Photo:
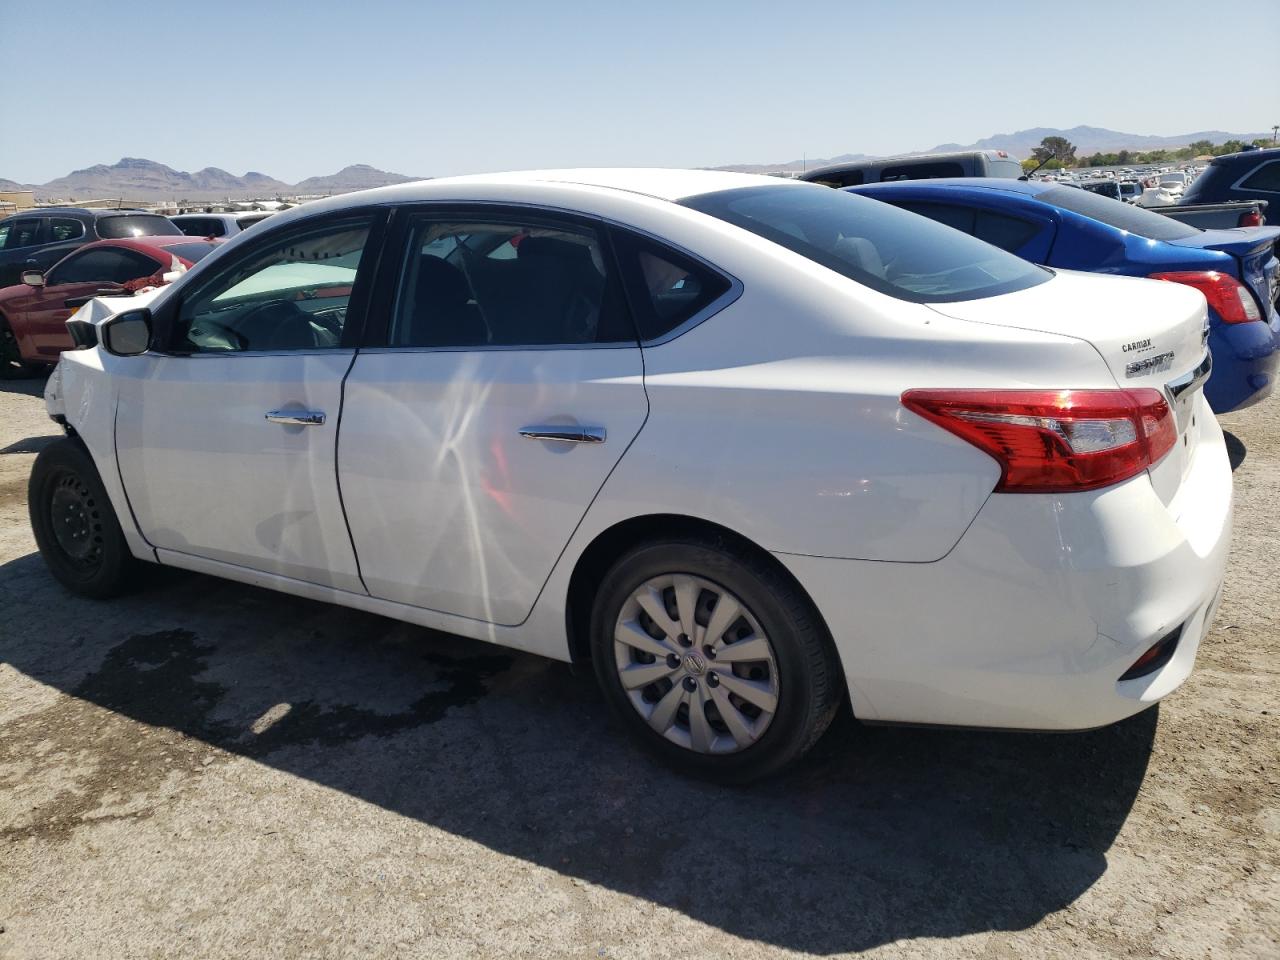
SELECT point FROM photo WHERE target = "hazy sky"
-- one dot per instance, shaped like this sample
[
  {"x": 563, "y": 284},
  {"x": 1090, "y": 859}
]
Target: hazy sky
[{"x": 300, "y": 89}]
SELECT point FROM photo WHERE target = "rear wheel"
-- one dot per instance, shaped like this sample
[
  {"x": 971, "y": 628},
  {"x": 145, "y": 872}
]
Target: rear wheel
[
  {"x": 74, "y": 524},
  {"x": 12, "y": 366},
  {"x": 713, "y": 659}
]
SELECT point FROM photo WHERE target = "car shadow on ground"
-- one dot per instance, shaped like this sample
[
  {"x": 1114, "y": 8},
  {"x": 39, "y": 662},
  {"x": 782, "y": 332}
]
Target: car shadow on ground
[
  {"x": 31, "y": 386},
  {"x": 1236, "y": 450},
  {"x": 882, "y": 834}
]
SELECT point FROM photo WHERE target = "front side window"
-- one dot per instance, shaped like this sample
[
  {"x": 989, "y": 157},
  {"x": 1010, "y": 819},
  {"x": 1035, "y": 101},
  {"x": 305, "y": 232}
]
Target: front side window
[
  {"x": 102, "y": 265},
  {"x": 64, "y": 228},
  {"x": 22, "y": 233},
  {"x": 291, "y": 294},
  {"x": 1265, "y": 178},
  {"x": 873, "y": 243},
  {"x": 506, "y": 284}
]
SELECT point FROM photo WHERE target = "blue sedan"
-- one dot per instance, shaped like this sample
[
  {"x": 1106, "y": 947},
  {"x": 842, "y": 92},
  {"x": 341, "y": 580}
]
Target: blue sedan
[{"x": 1074, "y": 229}]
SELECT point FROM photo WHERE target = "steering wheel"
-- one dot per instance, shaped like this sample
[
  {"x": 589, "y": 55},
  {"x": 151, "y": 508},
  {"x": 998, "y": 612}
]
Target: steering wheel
[{"x": 210, "y": 335}]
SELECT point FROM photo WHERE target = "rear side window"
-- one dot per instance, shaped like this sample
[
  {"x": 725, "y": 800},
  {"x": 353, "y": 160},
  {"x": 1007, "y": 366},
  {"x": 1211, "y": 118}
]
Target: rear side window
[
  {"x": 842, "y": 178},
  {"x": 922, "y": 171},
  {"x": 136, "y": 225},
  {"x": 666, "y": 288},
  {"x": 22, "y": 233},
  {"x": 512, "y": 283},
  {"x": 1011, "y": 169},
  {"x": 202, "y": 226},
  {"x": 1265, "y": 178},
  {"x": 1007, "y": 233},
  {"x": 64, "y": 228},
  {"x": 876, "y": 244},
  {"x": 1118, "y": 214},
  {"x": 957, "y": 218},
  {"x": 103, "y": 265}
]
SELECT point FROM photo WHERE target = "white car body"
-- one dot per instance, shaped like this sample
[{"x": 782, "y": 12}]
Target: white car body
[{"x": 417, "y": 499}]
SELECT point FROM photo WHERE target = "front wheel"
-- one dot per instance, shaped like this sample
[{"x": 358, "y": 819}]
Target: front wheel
[
  {"x": 74, "y": 524},
  {"x": 713, "y": 659}
]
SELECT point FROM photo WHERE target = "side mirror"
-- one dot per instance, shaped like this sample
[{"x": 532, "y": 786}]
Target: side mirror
[
  {"x": 33, "y": 278},
  {"x": 127, "y": 334}
]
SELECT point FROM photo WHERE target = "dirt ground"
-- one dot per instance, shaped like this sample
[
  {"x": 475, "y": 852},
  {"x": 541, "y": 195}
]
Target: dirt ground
[{"x": 209, "y": 770}]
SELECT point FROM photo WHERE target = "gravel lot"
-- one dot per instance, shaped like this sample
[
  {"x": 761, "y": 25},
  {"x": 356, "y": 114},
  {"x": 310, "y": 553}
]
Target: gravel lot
[{"x": 209, "y": 770}]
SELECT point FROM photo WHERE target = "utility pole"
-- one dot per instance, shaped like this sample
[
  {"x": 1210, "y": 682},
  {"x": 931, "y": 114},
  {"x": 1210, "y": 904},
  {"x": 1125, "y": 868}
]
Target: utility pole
[{"x": 1275, "y": 129}]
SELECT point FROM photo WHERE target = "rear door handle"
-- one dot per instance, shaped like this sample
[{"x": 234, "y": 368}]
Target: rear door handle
[
  {"x": 563, "y": 434},
  {"x": 297, "y": 418}
]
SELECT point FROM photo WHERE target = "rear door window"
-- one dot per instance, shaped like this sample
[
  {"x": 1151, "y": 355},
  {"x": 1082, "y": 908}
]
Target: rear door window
[
  {"x": 509, "y": 283},
  {"x": 64, "y": 228},
  {"x": 955, "y": 217},
  {"x": 1005, "y": 232},
  {"x": 202, "y": 226}
]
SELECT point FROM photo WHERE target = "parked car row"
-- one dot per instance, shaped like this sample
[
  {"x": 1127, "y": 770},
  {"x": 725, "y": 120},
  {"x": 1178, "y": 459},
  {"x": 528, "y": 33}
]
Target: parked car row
[{"x": 751, "y": 448}]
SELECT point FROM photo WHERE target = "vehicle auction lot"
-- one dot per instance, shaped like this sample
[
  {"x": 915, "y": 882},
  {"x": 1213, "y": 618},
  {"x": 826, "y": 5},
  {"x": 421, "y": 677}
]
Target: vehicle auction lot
[{"x": 207, "y": 769}]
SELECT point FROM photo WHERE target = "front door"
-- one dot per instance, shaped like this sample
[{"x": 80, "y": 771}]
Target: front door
[
  {"x": 477, "y": 434},
  {"x": 226, "y": 440}
]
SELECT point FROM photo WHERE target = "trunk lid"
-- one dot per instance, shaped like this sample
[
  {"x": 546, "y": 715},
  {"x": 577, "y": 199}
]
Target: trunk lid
[
  {"x": 1255, "y": 251},
  {"x": 1148, "y": 332}
]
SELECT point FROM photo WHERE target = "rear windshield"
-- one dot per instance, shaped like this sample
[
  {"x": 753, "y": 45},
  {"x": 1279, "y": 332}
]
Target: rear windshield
[
  {"x": 136, "y": 225},
  {"x": 191, "y": 251},
  {"x": 1118, "y": 214},
  {"x": 201, "y": 226},
  {"x": 890, "y": 250}
]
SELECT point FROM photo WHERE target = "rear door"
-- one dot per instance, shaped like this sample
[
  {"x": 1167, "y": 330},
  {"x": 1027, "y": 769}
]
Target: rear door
[
  {"x": 20, "y": 247},
  {"x": 480, "y": 424}
]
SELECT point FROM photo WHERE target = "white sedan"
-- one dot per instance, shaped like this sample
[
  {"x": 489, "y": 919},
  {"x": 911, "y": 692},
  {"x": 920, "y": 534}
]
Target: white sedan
[{"x": 750, "y": 446}]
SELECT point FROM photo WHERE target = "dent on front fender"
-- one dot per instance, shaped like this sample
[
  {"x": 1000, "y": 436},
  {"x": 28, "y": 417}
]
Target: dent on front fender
[{"x": 53, "y": 396}]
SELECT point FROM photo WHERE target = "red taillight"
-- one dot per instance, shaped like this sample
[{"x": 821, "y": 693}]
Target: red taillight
[
  {"x": 1051, "y": 441},
  {"x": 1250, "y": 219},
  {"x": 1226, "y": 294}
]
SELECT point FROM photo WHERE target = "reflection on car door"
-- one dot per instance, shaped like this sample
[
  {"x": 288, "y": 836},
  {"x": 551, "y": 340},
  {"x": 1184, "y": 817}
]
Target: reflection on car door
[
  {"x": 476, "y": 434},
  {"x": 226, "y": 442}
]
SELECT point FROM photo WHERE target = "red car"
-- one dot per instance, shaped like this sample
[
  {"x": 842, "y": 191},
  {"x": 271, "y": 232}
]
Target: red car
[{"x": 33, "y": 315}]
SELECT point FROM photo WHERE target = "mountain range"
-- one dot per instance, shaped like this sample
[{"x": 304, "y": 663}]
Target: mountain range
[
  {"x": 136, "y": 179},
  {"x": 1087, "y": 140}
]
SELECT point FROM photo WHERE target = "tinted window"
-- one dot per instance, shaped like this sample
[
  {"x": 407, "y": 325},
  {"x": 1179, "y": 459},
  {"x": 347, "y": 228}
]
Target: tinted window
[
  {"x": 922, "y": 171},
  {"x": 1117, "y": 213},
  {"x": 245, "y": 222},
  {"x": 843, "y": 178},
  {"x": 194, "y": 252},
  {"x": 1266, "y": 177},
  {"x": 1007, "y": 233},
  {"x": 4, "y": 234},
  {"x": 64, "y": 228},
  {"x": 136, "y": 225},
  {"x": 22, "y": 233},
  {"x": 876, "y": 244},
  {"x": 291, "y": 294},
  {"x": 202, "y": 226},
  {"x": 102, "y": 265},
  {"x": 665, "y": 287},
  {"x": 474, "y": 284},
  {"x": 957, "y": 218}
]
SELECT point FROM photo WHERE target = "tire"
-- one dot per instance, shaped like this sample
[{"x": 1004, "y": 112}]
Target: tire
[
  {"x": 12, "y": 366},
  {"x": 797, "y": 662},
  {"x": 74, "y": 524}
]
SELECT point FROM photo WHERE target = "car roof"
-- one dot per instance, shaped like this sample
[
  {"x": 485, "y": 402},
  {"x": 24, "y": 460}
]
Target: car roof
[
  {"x": 1027, "y": 188},
  {"x": 94, "y": 212}
]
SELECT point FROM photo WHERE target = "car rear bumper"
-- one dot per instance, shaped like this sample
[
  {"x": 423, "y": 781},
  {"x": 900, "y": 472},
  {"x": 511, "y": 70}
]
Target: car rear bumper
[
  {"x": 1245, "y": 361},
  {"x": 1044, "y": 603}
]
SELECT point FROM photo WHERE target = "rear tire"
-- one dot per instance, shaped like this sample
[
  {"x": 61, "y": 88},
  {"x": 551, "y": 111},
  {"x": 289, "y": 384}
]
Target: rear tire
[
  {"x": 12, "y": 366},
  {"x": 702, "y": 703},
  {"x": 74, "y": 524}
]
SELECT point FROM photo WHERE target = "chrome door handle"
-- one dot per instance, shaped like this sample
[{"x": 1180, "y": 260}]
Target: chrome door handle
[
  {"x": 297, "y": 418},
  {"x": 564, "y": 434}
]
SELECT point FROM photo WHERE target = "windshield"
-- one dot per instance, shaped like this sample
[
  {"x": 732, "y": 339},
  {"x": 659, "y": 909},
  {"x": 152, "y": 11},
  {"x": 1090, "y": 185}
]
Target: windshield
[
  {"x": 136, "y": 225},
  {"x": 880, "y": 246},
  {"x": 1115, "y": 213}
]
